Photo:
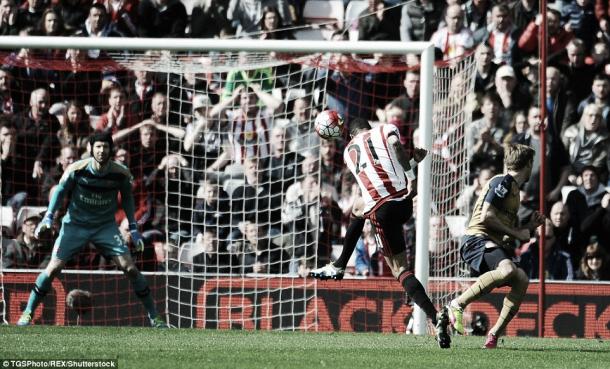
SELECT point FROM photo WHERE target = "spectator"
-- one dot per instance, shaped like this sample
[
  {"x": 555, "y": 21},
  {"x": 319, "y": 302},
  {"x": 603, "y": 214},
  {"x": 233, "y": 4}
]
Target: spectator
[
  {"x": 585, "y": 200},
  {"x": 140, "y": 93},
  {"x": 500, "y": 35},
  {"x": 409, "y": 105},
  {"x": 260, "y": 78},
  {"x": 523, "y": 12},
  {"x": 557, "y": 262},
  {"x": 331, "y": 163},
  {"x": 75, "y": 130},
  {"x": 579, "y": 76},
  {"x": 51, "y": 179},
  {"x": 369, "y": 259},
  {"x": 97, "y": 25},
  {"x": 37, "y": 142},
  {"x": 162, "y": 18},
  {"x": 11, "y": 19},
  {"x": 148, "y": 154},
  {"x": 116, "y": 117},
  {"x": 31, "y": 11},
  {"x": 282, "y": 165},
  {"x": 256, "y": 193},
  {"x": 271, "y": 23},
  {"x": 511, "y": 97},
  {"x": 454, "y": 39},
  {"x": 600, "y": 96},
  {"x": 597, "y": 222},
  {"x": 208, "y": 19},
  {"x": 73, "y": 12},
  {"x": 594, "y": 265},
  {"x": 51, "y": 24},
  {"x": 346, "y": 91},
  {"x": 558, "y": 37},
  {"x": 123, "y": 15},
  {"x": 26, "y": 251},
  {"x": 256, "y": 252},
  {"x": 600, "y": 56},
  {"x": 79, "y": 82},
  {"x": 517, "y": 127},
  {"x": 484, "y": 136},
  {"x": 14, "y": 189},
  {"x": 420, "y": 19},
  {"x": 158, "y": 120},
  {"x": 567, "y": 232},
  {"x": 486, "y": 69},
  {"x": 212, "y": 208},
  {"x": 300, "y": 213},
  {"x": 207, "y": 257},
  {"x": 579, "y": 17},
  {"x": 587, "y": 141},
  {"x": 469, "y": 196},
  {"x": 249, "y": 125},
  {"x": 245, "y": 15},
  {"x": 557, "y": 164},
  {"x": 172, "y": 182},
  {"x": 379, "y": 23},
  {"x": 10, "y": 102},
  {"x": 205, "y": 139},
  {"x": 476, "y": 13},
  {"x": 560, "y": 108},
  {"x": 303, "y": 138}
]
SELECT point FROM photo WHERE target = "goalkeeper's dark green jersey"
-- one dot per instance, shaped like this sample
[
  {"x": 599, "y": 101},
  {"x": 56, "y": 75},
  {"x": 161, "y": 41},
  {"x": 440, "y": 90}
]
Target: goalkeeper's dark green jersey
[{"x": 92, "y": 195}]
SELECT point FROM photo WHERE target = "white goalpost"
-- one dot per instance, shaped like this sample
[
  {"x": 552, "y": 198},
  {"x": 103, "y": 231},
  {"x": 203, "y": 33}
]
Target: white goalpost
[{"x": 443, "y": 115}]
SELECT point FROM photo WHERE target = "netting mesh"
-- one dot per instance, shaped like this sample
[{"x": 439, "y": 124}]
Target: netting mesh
[
  {"x": 452, "y": 113},
  {"x": 235, "y": 194}
]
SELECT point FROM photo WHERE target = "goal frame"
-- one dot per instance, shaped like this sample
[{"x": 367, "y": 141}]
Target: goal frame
[{"x": 425, "y": 49}]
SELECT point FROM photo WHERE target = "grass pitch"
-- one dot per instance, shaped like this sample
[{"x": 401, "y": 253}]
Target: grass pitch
[{"x": 189, "y": 348}]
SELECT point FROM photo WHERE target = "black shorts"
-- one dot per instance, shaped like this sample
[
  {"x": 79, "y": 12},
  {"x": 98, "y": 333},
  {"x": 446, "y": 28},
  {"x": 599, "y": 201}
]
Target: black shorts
[
  {"x": 388, "y": 220},
  {"x": 481, "y": 259}
]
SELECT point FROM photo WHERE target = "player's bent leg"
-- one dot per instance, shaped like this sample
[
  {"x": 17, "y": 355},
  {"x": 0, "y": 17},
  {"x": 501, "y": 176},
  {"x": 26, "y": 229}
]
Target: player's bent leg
[
  {"x": 487, "y": 282},
  {"x": 512, "y": 302},
  {"x": 42, "y": 286},
  {"x": 416, "y": 291},
  {"x": 336, "y": 269},
  {"x": 141, "y": 288}
]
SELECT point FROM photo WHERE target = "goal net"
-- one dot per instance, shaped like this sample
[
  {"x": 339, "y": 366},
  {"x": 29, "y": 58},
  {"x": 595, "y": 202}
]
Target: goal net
[{"x": 236, "y": 196}]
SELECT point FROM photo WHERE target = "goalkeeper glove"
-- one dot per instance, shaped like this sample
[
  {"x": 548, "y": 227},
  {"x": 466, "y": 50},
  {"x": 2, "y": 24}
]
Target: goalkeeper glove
[
  {"x": 136, "y": 237},
  {"x": 45, "y": 224}
]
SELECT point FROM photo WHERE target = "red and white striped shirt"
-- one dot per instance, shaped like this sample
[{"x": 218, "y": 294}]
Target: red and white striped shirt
[
  {"x": 377, "y": 170},
  {"x": 249, "y": 137}
]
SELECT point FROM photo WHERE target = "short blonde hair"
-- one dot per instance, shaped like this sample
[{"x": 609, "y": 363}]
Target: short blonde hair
[{"x": 517, "y": 156}]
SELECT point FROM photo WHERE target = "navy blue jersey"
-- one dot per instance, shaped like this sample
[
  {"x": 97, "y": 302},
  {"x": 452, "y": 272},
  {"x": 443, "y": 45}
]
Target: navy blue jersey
[{"x": 502, "y": 193}]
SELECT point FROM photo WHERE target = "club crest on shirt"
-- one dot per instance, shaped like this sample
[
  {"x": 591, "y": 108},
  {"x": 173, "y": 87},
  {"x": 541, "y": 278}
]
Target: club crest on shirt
[{"x": 500, "y": 190}]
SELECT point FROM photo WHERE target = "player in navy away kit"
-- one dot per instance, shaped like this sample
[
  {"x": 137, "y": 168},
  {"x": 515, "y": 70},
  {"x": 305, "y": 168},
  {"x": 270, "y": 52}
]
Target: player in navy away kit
[
  {"x": 487, "y": 246},
  {"x": 93, "y": 185},
  {"x": 382, "y": 169}
]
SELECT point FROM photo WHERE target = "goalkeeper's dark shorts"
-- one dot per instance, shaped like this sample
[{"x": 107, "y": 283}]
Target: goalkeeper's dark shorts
[
  {"x": 388, "y": 220},
  {"x": 480, "y": 258}
]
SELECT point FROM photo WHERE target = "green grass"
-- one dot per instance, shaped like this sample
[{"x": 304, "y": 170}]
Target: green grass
[{"x": 189, "y": 348}]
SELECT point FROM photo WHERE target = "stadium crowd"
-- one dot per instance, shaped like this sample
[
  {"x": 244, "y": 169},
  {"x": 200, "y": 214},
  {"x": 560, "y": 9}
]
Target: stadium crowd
[{"x": 241, "y": 188}]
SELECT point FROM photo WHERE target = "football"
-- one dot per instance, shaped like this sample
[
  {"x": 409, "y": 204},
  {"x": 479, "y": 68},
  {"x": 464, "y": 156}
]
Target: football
[{"x": 329, "y": 125}]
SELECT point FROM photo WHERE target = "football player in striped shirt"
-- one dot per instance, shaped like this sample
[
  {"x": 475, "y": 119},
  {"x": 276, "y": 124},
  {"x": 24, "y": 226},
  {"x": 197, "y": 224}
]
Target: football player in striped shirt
[
  {"x": 92, "y": 185},
  {"x": 383, "y": 170}
]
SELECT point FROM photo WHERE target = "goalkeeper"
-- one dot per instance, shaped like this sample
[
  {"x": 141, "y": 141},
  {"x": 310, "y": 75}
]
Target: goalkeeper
[{"x": 93, "y": 185}]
